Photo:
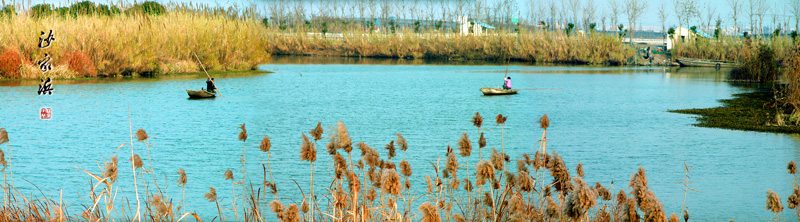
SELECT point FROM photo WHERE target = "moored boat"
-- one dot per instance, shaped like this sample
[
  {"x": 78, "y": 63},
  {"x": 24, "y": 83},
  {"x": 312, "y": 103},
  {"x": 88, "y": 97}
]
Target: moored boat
[
  {"x": 706, "y": 63},
  {"x": 198, "y": 94},
  {"x": 490, "y": 91}
]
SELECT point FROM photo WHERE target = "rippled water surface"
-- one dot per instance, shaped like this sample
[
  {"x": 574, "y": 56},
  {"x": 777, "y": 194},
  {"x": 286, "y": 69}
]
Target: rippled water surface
[{"x": 611, "y": 119}]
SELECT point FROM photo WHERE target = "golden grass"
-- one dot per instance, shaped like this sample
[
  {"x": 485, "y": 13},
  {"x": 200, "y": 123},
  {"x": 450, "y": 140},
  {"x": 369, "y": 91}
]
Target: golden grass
[{"x": 131, "y": 43}]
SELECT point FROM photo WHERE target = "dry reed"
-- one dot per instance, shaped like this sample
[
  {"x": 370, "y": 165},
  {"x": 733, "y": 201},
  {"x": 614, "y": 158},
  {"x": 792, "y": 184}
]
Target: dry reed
[
  {"x": 774, "y": 202},
  {"x": 265, "y": 144},
  {"x": 141, "y": 135}
]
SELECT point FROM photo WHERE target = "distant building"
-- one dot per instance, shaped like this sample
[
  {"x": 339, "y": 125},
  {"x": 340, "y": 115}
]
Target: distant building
[
  {"x": 683, "y": 34},
  {"x": 467, "y": 27}
]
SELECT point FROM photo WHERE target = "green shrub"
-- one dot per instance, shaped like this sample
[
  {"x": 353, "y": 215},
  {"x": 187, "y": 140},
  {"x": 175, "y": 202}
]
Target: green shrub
[
  {"x": 41, "y": 11},
  {"x": 148, "y": 8},
  {"x": 8, "y": 11}
]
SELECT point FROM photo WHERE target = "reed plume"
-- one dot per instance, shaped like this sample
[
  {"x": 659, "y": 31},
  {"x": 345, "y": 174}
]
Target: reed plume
[
  {"x": 673, "y": 218},
  {"x": 405, "y": 168},
  {"x": 580, "y": 200},
  {"x": 792, "y": 167},
  {"x": 243, "y": 133},
  {"x": 211, "y": 195},
  {"x": 3, "y": 136},
  {"x": 464, "y": 145},
  {"x": 458, "y": 218},
  {"x": 292, "y": 213},
  {"x": 579, "y": 169},
  {"x": 3, "y": 159},
  {"x": 484, "y": 170},
  {"x": 603, "y": 192},
  {"x": 265, "y": 144},
  {"x": 390, "y": 182},
  {"x": 141, "y": 135},
  {"x": 111, "y": 170},
  {"x": 544, "y": 122},
  {"x": 522, "y": 166},
  {"x": 390, "y": 148},
  {"x": 278, "y": 209},
  {"x": 181, "y": 177},
  {"x": 560, "y": 173},
  {"x": 523, "y": 181},
  {"x": 774, "y": 202},
  {"x": 330, "y": 148},
  {"x": 228, "y": 175},
  {"x": 353, "y": 182},
  {"x": 304, "y": 207},
  {"x": 794, "y": 199},
  {"x": 307, "y": 150},
  {"x": 317, "y": 131},
  {"x": 500, "y": 119},
  {"x": 499, "y": 159},
  {"x": 137, "y": 161},
  {"x": 477, "y": 120},
  {"x": 452, "y": 165},
  {"x": 343, "y": 138},
  {"x": 621, "y": 197},
  {"x": 401, "y": 142},
  {"x": 482, "y": 141},
  {"x": 468, "y": 185},
  {"x": 429, "y": 212},
  {"x": 638, "y": 185}
]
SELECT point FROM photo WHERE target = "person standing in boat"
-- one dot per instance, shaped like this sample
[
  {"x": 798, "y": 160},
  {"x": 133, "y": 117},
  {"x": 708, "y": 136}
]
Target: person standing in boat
[
  {"x": 507, "y": 83},
  {"x": 210, "y": 85}
]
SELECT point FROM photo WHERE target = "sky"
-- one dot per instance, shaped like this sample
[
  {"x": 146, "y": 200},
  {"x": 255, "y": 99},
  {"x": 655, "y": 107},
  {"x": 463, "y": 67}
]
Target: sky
[{"x": 648, "y": 21}]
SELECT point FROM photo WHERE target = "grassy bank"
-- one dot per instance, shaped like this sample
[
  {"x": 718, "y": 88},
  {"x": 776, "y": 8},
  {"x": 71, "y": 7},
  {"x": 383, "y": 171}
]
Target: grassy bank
[
  {"x": 368, "y": 185},
  {"x": 131, "y": 42},
  {"x": 752, "y": 111}
]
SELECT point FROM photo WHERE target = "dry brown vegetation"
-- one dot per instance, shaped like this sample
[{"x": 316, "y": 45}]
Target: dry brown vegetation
[
  {"x": 366, "y": 187},
  {"x": 129, "y": 43}
]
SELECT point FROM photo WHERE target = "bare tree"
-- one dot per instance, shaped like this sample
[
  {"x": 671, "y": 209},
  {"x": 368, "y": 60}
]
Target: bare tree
[
  {"x": 553, "y": 13},
  {"x": 614, "y": 12},
  {"x": 634, "y": 9},
  {"x": 710, "y": 13},
  {"x": 588, "y": 14},
  {"x": 603, "y": 21},
  {"x": 761, "y": 9},
  {"x": 736, "y": 8},
  {"x": 662, "y": 16},
  {"x": 794, "y": 7}
]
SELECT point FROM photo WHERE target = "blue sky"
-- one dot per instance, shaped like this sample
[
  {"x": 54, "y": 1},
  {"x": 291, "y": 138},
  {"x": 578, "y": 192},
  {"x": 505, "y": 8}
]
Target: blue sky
[{"x": 649, "y": 20}]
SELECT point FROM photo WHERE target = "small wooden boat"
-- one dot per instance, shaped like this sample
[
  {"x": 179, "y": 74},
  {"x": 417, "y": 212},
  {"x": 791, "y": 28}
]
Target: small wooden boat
[
  {"x": 706, "y": 63},
  {"x": 198, "y": 94},
  {"x": 491, "y": 91}
]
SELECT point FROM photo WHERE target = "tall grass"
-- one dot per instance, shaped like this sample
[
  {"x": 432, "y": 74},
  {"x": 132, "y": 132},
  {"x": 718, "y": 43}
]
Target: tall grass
[
  {"x": 135, "y": 43},
  {"x": 525, "y": 188}
]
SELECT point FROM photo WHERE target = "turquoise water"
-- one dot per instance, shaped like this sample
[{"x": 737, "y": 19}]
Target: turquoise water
[{"x": 612, "y": 120}]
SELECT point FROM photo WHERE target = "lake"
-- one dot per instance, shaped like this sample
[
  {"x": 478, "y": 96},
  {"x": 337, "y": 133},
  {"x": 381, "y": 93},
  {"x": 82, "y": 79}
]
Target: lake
[{"x": 610, "y": 119}]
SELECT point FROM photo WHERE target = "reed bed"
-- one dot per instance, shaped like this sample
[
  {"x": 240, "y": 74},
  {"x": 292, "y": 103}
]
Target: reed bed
[
  {"x": 366, "y": 186},
  {"x": 538, "y": 46},
  {"x": 130, "y": 43},
  {"x": 731, "y": 48}
]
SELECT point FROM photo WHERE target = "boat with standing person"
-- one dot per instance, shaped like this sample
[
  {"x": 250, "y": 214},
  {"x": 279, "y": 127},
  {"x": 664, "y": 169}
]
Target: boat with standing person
[{"x": 491, "y": 91}]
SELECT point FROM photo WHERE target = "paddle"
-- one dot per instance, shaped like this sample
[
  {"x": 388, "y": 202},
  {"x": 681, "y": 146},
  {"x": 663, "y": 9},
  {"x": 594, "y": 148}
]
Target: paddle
[
  {"x": 207, "y": 75},
  {"x": 537, "y": 88}
]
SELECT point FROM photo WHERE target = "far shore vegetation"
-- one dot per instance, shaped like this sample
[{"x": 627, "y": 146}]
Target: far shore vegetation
[{"x": 148, "y": 38}]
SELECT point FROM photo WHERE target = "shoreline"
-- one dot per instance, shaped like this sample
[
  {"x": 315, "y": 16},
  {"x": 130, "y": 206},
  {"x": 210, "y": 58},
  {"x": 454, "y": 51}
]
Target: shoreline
[{"x": 745, "y": 111}]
